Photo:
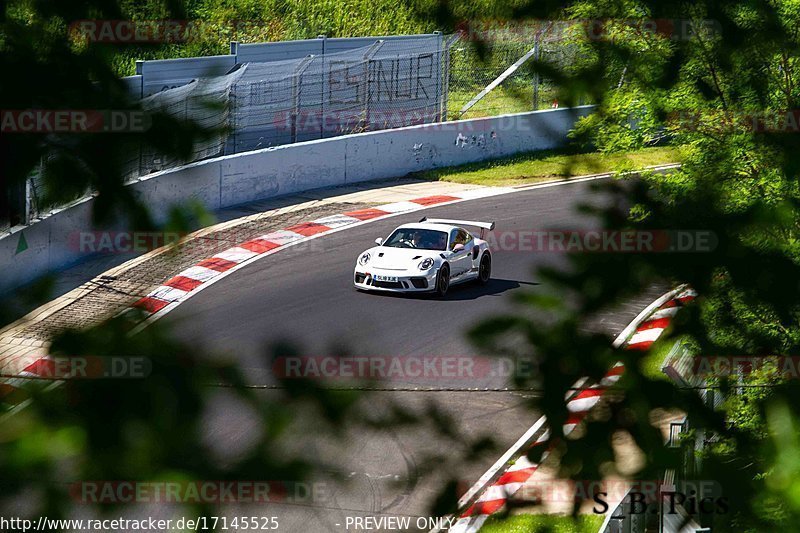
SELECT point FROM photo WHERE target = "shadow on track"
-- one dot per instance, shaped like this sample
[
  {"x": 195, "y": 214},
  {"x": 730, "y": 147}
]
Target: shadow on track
[
  {"x": 471, "y": 291},
  {"x": 466, "y": 291}
]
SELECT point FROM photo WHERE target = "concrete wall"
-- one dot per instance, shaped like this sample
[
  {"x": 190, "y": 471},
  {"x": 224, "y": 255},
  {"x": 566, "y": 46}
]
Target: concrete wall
[{"x": 240, "y": 178}]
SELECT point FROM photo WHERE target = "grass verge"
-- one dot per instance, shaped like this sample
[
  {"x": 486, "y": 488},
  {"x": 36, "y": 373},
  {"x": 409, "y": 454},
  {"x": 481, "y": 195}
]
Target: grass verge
[
  {"x": 650, "y": 364},
  {"x": 547, "y": 165},
  {"x": 500, "y": 101},
  {"x": 527, "y": 523}
]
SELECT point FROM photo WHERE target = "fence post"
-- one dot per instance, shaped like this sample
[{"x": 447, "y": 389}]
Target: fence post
[
  {"x": 536, "y": 55},
  {"x": 29, "y": 199},
  {"x": 296, "y": 77},
  {"x": 140, "y": 72},
  {"x": 368, "y": 55},
  {"x": 446, "y": 75},
  {"x": 31, "y": 196},
  {"x": 235, "y": 52},
  {"x": 439, "y": 83},
  {"x": 322, "y": 78}
]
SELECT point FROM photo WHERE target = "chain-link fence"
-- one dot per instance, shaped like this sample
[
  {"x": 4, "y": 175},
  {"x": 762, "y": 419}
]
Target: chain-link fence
[
  {"x": 480, "y": 56},
  {"x": 207, "y": 103},
  {"x": 388, "y": 84},
  {"x": 385, "y": 85}
]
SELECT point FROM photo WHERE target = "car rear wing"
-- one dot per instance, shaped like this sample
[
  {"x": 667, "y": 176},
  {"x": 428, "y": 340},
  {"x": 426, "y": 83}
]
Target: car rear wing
[{"x": 483, "y": 225}]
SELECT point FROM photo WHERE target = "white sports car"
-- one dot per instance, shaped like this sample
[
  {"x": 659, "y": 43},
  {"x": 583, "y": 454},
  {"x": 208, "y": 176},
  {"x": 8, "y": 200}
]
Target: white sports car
[{"x": 428, "y": 256}]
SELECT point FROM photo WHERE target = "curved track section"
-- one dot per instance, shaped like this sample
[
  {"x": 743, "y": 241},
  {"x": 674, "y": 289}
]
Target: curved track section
[{"x": 305, "y": 294}]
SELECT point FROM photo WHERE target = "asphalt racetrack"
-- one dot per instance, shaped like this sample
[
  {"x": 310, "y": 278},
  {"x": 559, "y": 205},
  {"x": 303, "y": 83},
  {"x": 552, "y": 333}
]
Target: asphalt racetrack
[{"x": 304, "y": 295}]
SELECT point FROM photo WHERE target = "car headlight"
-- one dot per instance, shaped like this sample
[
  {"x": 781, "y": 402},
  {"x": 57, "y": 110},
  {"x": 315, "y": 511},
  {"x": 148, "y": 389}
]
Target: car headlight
[
  {"x": 364, "y": 259},
  {"x": 426, "y": 264}
]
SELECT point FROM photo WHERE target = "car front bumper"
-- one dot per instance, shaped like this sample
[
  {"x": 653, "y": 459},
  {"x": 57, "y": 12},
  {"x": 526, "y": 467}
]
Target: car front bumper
[{"x": 363, "y": 278}]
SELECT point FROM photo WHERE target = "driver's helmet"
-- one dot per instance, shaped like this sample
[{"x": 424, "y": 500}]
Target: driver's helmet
[
  {"x": 416, "y": 238},
  {"x": 442, "y": 241}
]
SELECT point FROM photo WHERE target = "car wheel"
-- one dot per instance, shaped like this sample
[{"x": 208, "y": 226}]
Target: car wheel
[
  {"x": 443, "y": 281},
  {"x": 485, "y": 269}
]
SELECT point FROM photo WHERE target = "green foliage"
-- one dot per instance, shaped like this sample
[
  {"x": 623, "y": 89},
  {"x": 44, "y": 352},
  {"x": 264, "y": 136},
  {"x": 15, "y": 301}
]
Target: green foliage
[
  {"x": 526, "y": 523},
  {"x": 636, "y": 128},
  {"x": 248, "y": 21},
  {"x": 738, "y": 182},
  {"x": 155, "y": 428},
  {"x": 705, "y": 91},
  {"x": 60, "y": 74}
]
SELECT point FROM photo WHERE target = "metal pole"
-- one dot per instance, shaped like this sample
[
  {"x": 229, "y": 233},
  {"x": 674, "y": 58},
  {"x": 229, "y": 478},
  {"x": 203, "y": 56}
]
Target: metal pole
[
  {"x": 438, "y": 35},
  {"x": 140, "y": 73},
  {"x": 296, "y": 77},
  {"x": 368, "y": 55},
  {"x": 622, "y": 77},
  {"x": 235, "y": 52},
  {"x": 446, "y": 84},
  {"x": 536, "y": 55},
  {"x": 322, "y": 78}
]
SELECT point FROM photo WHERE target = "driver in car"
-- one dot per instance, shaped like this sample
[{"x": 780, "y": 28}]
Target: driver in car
[{"x": 416, "y": 239}]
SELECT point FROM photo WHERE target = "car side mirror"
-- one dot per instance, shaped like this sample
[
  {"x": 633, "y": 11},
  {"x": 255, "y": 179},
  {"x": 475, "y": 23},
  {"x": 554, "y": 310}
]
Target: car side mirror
[
  {"x": 458, "y": 247},
  {"x": 379, "y": 241}
]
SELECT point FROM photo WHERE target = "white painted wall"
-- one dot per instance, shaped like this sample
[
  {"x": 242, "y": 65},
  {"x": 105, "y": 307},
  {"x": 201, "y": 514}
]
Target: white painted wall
[{"x": 240, "y": 178}]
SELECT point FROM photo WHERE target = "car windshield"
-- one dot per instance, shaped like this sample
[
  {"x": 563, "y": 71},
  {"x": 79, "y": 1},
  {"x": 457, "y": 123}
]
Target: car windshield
[{"x": 425, "y": 239}]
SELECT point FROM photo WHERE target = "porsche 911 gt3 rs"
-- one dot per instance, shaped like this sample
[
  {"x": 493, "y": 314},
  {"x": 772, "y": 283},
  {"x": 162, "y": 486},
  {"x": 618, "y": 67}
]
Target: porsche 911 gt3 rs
[{"x": 428, "y": 256}]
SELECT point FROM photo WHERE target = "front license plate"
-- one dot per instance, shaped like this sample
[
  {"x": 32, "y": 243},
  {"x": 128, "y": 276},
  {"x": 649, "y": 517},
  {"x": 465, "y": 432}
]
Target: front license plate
[{"x": 385, "y": 278}]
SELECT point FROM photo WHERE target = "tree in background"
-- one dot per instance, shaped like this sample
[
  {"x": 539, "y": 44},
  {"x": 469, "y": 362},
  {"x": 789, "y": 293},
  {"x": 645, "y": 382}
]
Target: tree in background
[
  {"x": 720, "y": 80},
  {"x": 738, "y": 181},
  {"x": 152, "y": 429}
]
